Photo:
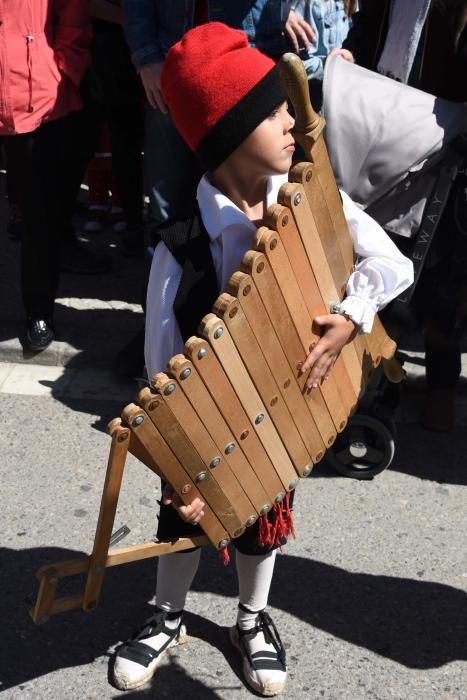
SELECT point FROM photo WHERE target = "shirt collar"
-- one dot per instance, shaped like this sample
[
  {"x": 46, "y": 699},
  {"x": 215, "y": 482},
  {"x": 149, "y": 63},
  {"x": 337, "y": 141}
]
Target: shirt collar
[{"x": 218, "y": 212}]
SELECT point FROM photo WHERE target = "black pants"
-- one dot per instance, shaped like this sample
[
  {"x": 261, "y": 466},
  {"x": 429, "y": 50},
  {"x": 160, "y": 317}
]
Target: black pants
[
  {"x": 42, "y": 167},
  {"x": 441, "y": 290}
]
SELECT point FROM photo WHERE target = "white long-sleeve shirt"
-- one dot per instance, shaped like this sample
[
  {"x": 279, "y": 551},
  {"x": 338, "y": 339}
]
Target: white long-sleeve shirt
[{"x": 381, "y": 272}]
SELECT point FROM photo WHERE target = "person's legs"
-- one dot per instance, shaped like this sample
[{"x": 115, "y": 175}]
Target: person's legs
[
  {"x": 255, "y": 634},
  {"x": 36, "y": 161},
  {"x": 172, "y": 172},
  {"x": 136, "y": 661}
]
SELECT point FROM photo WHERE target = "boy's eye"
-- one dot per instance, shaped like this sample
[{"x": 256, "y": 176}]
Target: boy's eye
[{"x": 273, "y": 114}]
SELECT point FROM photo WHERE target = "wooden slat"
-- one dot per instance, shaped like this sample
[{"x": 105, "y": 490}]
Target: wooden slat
[
  {"x": 269, "y": 243},
  {"x": 190, "y": 382},
  {"x": 229, "y": 310},
  {"x": 214, "y": 330},
  {"x": 215, "y": 465},
  {"x": 243, "y": 287},
  {"x": 171, "y": 469},
  {"x": 217, "y": 383}
]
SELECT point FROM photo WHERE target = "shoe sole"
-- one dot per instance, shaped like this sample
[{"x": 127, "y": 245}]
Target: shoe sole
[
  {"x": 123, "y": 684},
  {"x": 265, "y": 692}
]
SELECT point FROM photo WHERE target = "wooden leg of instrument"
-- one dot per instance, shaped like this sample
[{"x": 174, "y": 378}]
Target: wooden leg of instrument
[
  {"x": 101, "y": 558},
  {"x": 113, "y": 481}
]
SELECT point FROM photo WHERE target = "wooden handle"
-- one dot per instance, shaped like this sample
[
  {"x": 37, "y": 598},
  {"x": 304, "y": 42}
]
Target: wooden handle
[{"x": 295, "y": 80}]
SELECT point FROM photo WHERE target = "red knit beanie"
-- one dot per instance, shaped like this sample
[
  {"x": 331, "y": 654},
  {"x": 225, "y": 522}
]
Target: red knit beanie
[{"x": 218, "y": 90}]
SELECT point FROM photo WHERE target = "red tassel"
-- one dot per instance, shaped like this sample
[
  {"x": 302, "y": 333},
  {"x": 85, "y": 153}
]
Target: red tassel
[
  {"x": 224, "y": 556},
  {"x": 277, "y": 525}
]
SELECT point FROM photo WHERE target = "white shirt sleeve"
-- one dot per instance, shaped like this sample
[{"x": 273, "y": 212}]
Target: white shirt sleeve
[
  {"x": 163, "y": 338},
  {"x": 381, "y": 271}
]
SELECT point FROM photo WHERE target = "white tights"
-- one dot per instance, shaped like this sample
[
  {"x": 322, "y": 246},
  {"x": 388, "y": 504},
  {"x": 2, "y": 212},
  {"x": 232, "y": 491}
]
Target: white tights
[{"x": 177, "y": 571}]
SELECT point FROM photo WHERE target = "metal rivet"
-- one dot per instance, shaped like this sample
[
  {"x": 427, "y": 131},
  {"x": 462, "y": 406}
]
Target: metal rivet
[
  {"x": 308, "y": 176},
  {"x": 233, "y": 312},
  {"x": 264, "y": 510},
  {"x": 244, "y": 435},
  {"x": 202, "y": 353},
  {"x": 251, "y": 521},
  {"x": 279, "y": 498},
  {"x": 273, "y": 244},
  {"x": 153, "y": 405},
  {"x": 293, "y": 484},
  {"x": 200, "y": 477},
  {"x": 285, "y": 220},
  {"x": 122, "y": 437},
  {"x": 218, "y": 332},
  {"x": 273, "y": 401},
  {"x": 297, "y": 199},
  {"x": 186, "y": 373},
  {"x": 52, "y": 580},
  {"x": 169, "y": 389},
  {"x": 230, "y": 448},
  {"x": 215, "y": 462},
  {"x": 223, "y": 544},
  {"x": 186, "y": 488},
  {"x": 259, "y": 418},
  {"x": 247, "y": 290},
  {"x": 286, "y": 383},
  {"x": 138, "y": 420},
  {"x": 260, "y": 267},
  {"x": 307, "y": 471}
]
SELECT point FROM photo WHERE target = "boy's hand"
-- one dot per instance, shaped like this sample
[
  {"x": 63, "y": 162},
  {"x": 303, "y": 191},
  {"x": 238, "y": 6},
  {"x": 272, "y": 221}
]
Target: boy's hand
[
  {"x": 190, "y": 514},
  {"x": 338, "y": 330},
  {"x": 299, "y": 32},
  {"x": 150, "y": 75}
]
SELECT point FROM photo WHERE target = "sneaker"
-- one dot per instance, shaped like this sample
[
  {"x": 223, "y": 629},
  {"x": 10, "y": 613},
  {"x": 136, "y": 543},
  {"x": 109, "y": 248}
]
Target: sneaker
[
  {"x": 40, "y": 333},
  {"x": 263, "y": 654},
  {"x": 136, "y": 661},
  {"x": 96, "y": 219}
]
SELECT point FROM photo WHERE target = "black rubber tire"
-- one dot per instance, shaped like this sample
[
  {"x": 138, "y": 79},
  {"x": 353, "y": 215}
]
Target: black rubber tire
[{"x": 365, "y": 448}]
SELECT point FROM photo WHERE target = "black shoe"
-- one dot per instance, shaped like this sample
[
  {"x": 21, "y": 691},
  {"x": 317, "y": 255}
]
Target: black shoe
[
  {"x": 78, "y": 259},
  {"x": 40, "y": 334}
]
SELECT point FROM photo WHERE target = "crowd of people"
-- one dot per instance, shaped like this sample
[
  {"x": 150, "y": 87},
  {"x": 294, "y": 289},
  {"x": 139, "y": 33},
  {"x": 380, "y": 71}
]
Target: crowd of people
[{"x": 191, "y": 91}]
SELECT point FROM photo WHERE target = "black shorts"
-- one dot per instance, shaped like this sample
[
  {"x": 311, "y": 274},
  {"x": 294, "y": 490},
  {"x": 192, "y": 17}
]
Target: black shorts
[{"x": 171, "y": 526}]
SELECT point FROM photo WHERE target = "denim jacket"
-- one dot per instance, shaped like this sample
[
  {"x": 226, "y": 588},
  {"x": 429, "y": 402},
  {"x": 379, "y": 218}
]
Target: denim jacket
[
  {"x": 153, "y": 26},
  {"x": 330, "y": 25}
]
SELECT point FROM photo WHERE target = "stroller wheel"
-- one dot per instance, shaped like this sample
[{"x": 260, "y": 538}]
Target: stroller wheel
[{"x": 363, "y": 450}]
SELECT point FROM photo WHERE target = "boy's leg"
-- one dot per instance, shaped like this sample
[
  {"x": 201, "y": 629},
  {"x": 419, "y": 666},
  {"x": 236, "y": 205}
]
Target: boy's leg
[
  {"x": 255, "y": 634},
  {"x": 136, "y": 661}
]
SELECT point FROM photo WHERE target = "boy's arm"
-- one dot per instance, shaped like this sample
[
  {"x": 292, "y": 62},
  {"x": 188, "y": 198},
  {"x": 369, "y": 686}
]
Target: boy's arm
[{"x": 381, "y": 273}]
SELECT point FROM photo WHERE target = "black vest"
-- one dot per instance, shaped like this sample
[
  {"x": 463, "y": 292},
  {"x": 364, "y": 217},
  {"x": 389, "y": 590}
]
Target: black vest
[{"x": 189, "y": 243}]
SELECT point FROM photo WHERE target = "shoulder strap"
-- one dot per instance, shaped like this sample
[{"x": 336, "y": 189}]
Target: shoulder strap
[{"x": 189, "y": 243}]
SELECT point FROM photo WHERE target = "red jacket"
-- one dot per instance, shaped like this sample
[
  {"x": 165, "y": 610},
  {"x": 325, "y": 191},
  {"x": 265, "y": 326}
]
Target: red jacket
[{"x": 43, "y": 56}]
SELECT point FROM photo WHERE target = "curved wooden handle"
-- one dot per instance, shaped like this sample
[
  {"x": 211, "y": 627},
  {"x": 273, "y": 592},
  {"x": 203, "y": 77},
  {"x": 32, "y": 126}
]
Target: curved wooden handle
[{"x": 295, "y": 80}]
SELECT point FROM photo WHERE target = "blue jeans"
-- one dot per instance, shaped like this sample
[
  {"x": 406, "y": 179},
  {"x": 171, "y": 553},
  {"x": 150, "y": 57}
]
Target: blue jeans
[{"x": 172, "y": 171}]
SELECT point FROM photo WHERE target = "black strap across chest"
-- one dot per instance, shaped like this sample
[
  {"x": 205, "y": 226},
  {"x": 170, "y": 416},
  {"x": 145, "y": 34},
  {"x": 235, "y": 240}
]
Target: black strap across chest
[{"x": 189, "y": 243}]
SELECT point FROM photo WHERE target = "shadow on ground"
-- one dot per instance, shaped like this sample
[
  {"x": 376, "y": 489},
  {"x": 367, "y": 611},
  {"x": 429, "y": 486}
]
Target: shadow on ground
[{"x": 418, "y": 624}]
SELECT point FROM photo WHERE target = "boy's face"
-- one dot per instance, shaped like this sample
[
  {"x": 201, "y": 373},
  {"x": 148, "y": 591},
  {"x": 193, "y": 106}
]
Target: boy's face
[{"x": 269, "y": 149}]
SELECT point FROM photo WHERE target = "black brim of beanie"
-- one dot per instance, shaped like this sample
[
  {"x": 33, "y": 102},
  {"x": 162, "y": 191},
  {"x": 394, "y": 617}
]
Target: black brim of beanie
[{"x": 238, "y": 123}]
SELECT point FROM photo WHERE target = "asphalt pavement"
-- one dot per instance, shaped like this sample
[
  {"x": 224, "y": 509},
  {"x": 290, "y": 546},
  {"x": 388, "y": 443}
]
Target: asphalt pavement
[{"x": 370, "y": 598}]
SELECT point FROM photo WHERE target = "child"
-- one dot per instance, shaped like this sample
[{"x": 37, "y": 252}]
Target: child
[{"x": 227, "y": 101}]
